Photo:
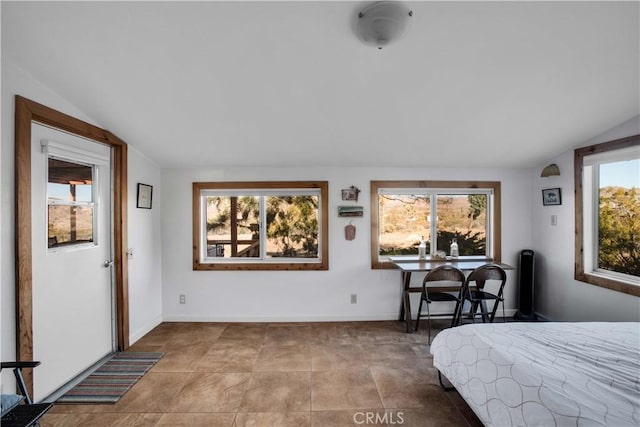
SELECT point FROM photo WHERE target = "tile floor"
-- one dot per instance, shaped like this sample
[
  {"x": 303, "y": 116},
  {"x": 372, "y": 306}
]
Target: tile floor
[{"x": 281, "y": 374}]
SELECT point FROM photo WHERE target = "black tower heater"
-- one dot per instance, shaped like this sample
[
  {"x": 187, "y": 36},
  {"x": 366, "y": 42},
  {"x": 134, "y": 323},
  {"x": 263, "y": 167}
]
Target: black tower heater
[{"x": 525, "y": 294}]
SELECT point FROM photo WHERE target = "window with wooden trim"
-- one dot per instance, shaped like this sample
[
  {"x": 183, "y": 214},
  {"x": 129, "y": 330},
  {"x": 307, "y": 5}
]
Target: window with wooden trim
[
  {"x": 260, "y": 225},
  {"x": 404, "y": 212},
  {"x": 607, "y": 206}
]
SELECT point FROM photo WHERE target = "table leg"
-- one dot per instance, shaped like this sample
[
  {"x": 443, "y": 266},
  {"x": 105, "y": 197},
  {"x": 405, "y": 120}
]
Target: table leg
[
  {"x": 483, "y": 304},
  {"x": 405, "y": 304}
]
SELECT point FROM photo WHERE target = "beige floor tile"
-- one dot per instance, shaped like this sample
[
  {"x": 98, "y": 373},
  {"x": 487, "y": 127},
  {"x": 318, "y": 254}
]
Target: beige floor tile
[
  {"x": 284, "y": 358},
  {"x": 196, "y": 420},
  {"x": 438, "y": 416},
  {"x": 120, "y": 420},
  {"x": 408, "y": 388},
  {"x": 280, "y": 374},
  {"x": 343, "y": 390},
  {"x": 228, "y": 359},
  {"x": 62, "y": 420},
  {"x": 255, "y": 343},
  {"x": 277, "y": 392},
  {"x": 195, "y": 337},
  {"x": 155, "y": 392},
  {"x": 400, "y": 356},
  {"x": 154, "y": 338},
  {"x": 333, "y": 333},
  {"x": 211, "y": 392},
  {"x": 282, "y": 335},
  {"x": 248, "y": 331},
  {"x": 273, "y": 419},
  {"x": 382, "y": 352},
  {"x": 175, "y": 361},
  {"x": 356, "y": 417},
  {"x": 60, "y": 408},
  {"x": 341, "y": 357}
]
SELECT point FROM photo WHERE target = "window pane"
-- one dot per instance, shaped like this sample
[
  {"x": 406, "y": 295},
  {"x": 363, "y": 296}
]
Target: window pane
[
  {"x": 232, "y": 226},
  {"x": 69, "y": 182},
  {"x": 70, "y": 225},
  {"x": 463, "y": 217},
  {"x": 403, "y": 219},
  {"x": 70, "y": 203},
  {"x": 619, "y": 217},
  {"x": 292, "y": 226}
]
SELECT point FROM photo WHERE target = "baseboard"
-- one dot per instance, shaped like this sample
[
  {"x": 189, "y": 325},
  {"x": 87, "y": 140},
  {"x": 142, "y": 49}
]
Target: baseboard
[
  {"x": 135, "y": 336},
  {"x": 297, "y": 318},
  {"x": 278, "y": 319}
]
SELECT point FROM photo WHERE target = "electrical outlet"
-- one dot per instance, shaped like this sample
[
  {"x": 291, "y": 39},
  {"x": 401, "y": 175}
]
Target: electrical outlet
[
  {"x": 354, "y": 298},
  {"x": 183, "y": 299}
]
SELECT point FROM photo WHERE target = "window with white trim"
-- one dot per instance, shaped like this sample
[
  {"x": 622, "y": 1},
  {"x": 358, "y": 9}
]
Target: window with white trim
[
  {"x": 260, "y": 225},
  {"x": 608, "y": 214},
  {"x": 70, "y": 203},
  {"x": 404, "y": 212}
]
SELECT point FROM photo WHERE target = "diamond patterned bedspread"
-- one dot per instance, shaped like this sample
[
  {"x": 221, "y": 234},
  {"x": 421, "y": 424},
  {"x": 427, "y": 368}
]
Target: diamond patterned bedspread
[{"x": 545, "y": 374}]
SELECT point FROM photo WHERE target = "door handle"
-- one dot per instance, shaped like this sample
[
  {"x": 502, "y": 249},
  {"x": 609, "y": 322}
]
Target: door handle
[{"x": 108, "y": 264}]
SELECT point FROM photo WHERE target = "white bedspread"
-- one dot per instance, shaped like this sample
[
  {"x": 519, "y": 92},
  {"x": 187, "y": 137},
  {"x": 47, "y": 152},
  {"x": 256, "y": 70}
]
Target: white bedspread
[{"x": 545, "y": 374}]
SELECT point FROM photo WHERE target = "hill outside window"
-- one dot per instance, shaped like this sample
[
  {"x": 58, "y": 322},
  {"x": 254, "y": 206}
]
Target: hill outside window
[
  {"x": 404, "y": 212},
  {"x": 607, "y": 206},
  {"x": 260, "y": 225}
]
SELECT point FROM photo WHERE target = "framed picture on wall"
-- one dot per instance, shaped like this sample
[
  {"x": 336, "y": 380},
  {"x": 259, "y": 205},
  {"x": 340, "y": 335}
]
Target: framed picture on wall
[
  {"x": 551, "y": 196},
  {"x": 145, "y": 194}
]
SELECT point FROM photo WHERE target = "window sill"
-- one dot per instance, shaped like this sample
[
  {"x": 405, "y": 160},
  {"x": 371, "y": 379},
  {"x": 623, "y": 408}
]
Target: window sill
[
  {"x": 234, "y": 266},
  {"x": 609, "y": 283}
]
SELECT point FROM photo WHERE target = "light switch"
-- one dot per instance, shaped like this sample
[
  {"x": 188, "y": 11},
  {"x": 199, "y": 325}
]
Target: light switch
[{"x": 554, "y": 219}]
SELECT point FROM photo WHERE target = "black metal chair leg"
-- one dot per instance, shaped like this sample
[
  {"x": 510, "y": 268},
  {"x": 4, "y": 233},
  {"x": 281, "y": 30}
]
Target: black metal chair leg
[
  {"x": 428, "y": 323},
  {"x": 419, "y": 314},
  {"x": 454, "y": 320}
]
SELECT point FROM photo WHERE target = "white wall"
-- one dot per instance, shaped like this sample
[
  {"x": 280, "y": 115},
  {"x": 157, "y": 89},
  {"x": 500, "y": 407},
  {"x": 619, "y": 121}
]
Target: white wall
[
  {"x": 145, "y": 275},
  {"x": 144, "y": 284},
  {"x": 557, "y": 295},
  {"x": 312, "y": 295}
]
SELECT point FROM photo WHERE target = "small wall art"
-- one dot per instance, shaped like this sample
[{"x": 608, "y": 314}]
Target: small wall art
[
  {"x": 145, "y": 195},
  {"x": 350, "y": 194},
  {"x": 349, "y": 231},
  {"x": 551, "y": 197},
  {"x": 347, "y": 211}
]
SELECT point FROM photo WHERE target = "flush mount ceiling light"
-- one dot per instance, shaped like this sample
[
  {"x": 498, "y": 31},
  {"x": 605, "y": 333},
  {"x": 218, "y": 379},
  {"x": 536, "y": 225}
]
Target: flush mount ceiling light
[{"x": 382, "y": 22}]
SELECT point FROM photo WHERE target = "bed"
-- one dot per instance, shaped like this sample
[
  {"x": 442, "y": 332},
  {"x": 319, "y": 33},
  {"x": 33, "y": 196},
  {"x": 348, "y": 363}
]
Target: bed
[{"x": 545, "y": 374}]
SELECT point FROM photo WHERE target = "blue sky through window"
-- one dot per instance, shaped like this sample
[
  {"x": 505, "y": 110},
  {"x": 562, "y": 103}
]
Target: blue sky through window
[
  {"x": 620, "y": 174},
  {"x": 63, "y": 192}
]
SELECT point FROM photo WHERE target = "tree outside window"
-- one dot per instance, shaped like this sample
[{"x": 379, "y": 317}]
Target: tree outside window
[
  {"x": 607, "y": 247},
  {"x": 404, "y": 212},
  {"x": 260, "y": 225}
]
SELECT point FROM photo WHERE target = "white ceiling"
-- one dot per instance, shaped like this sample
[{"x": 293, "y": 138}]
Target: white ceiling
[{"x": 473, "y": 84}]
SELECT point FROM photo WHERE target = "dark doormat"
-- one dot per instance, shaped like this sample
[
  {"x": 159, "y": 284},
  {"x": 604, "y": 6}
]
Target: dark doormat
[{"x": 113, "y": 379}]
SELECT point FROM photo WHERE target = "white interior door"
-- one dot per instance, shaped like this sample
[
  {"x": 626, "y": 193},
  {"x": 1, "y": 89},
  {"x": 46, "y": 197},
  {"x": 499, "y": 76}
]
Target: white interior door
[{"x": 71, "y": 253}]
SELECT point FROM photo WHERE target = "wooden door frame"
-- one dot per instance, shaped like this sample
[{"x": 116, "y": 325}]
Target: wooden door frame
[{"x": 26, "y": 113}]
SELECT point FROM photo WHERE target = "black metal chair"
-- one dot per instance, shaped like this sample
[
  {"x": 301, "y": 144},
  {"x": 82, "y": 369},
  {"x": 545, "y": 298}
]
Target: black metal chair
[
  {"x": 477, "y": 296},
  {"x": 443, "y": 273},
  {"x": 20, "y": 410}
]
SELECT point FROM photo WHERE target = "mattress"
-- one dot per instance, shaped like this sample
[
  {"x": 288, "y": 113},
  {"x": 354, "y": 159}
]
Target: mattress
[{"x": 545, "y": 374}]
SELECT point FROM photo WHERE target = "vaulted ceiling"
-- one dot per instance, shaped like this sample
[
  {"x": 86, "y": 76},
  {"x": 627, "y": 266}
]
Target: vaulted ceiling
[{"x": 471, "y": 84}]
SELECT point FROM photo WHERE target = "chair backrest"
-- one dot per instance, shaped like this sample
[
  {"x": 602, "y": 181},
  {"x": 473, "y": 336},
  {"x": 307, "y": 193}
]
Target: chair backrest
[
  {"x": 487, "y": 272},
  {"x": 444, "y": 273}
]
